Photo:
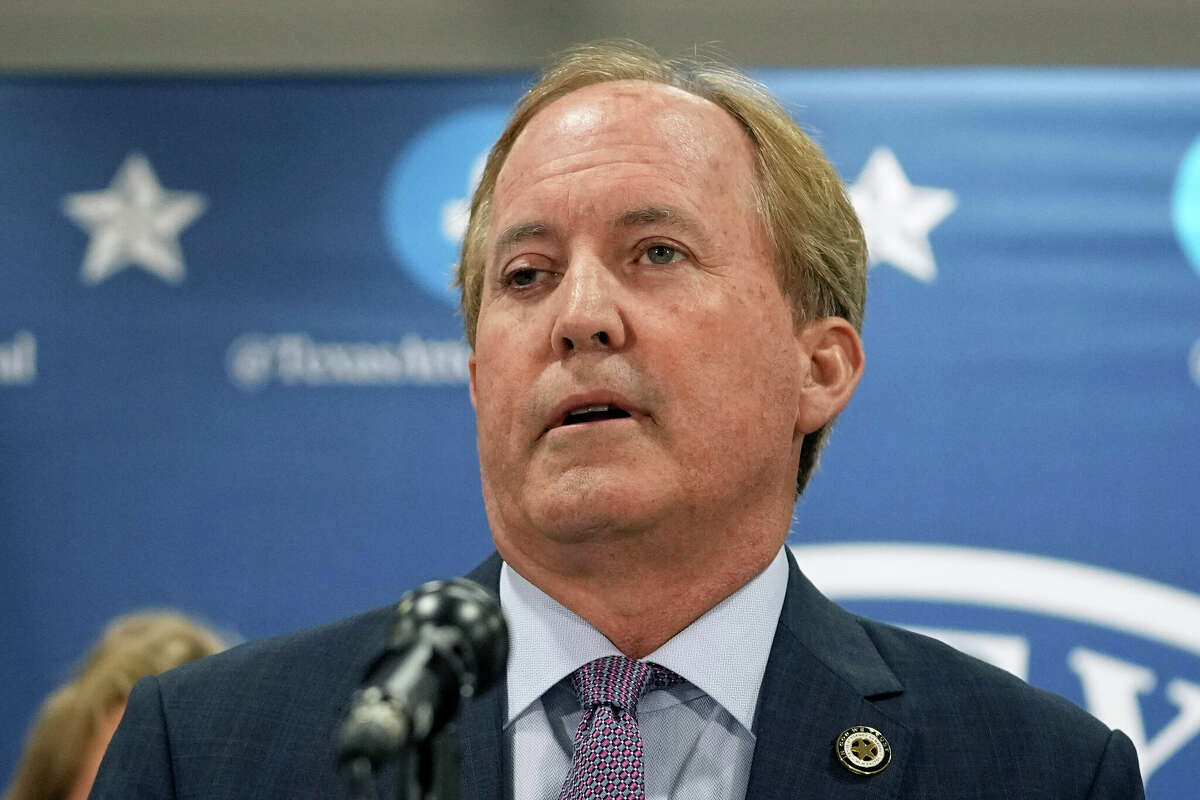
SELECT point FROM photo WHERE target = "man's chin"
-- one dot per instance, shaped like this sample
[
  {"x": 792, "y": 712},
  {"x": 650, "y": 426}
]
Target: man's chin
[{"x": 582, "y": 508}]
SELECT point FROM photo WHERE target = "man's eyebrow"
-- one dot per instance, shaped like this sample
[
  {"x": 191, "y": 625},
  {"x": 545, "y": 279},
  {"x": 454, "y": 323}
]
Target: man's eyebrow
[
  {"x": 515, "y": 234},
  {"x": 659, "y": 215},
  {"x": 648, "y": 216}
]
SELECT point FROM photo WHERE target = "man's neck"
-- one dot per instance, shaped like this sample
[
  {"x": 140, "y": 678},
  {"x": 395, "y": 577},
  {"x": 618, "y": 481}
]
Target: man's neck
[{"x": 640, "y": 591}]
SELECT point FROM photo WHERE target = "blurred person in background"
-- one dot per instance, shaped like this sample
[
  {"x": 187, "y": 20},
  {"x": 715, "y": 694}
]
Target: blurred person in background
[{"x": 71, "y": 731}]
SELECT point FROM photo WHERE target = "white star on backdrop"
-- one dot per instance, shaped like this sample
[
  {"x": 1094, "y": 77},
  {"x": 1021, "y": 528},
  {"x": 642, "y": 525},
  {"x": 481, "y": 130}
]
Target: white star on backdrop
[
  {"x": 135, "y": 221},
  {"x": 897, "y": 216}
]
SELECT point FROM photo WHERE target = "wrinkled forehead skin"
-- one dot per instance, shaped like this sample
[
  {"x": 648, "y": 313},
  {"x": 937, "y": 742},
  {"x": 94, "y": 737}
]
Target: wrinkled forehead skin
[{"x": 634, "y": 113}]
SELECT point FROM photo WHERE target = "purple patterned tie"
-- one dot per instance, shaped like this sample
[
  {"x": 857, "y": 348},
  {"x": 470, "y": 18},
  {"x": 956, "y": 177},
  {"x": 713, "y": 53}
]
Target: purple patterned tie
[{"x": 607, "y": 764}]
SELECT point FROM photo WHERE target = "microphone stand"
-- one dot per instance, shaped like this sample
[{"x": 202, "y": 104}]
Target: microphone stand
[
  {"x": 430, "y": 771},
  {"x": 427, "y": 771}
]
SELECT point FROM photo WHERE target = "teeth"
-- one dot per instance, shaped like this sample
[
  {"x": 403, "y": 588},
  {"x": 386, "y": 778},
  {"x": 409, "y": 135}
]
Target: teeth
[
  {"x": 590, "y": 409},
  {"x": 596, "y": 412}
]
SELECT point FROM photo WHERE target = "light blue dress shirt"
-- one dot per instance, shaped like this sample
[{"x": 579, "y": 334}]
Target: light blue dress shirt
[{"x": 697, "y": 735}]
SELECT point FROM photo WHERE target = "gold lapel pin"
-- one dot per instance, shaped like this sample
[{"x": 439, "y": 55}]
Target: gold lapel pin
[{"x": 863, "y": 750}]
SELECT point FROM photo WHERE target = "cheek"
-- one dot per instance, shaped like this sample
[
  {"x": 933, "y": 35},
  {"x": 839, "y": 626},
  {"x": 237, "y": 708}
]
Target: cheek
[
  {"x": 493, "y": 340},
  {"x": 489, "y": 397},
  {"x": 503, "y": 379},
  {"x": 742, "y": 374}
]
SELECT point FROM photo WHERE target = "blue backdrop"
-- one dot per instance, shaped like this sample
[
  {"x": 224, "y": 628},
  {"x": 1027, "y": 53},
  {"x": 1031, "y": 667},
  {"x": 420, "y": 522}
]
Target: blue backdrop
[{"x": 232, "y": 379}]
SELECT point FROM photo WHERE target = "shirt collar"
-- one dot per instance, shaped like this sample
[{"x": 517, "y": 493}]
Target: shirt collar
[{"x": 723, "y": 653}]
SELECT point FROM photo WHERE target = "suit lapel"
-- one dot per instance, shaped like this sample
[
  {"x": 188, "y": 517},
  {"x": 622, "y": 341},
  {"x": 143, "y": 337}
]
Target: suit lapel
[
  {"x": 823, "y": 676},
  {"x": 481, "y": 720}
]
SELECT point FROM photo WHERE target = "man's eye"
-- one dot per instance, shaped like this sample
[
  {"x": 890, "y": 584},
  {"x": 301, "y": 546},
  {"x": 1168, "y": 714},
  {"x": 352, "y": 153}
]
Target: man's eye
[
  {"x": 522, "y": 277},
  {"x": 661, "y": 254}
]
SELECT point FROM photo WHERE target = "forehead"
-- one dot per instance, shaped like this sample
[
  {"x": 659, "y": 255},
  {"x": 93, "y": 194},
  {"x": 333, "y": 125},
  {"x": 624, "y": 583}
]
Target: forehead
[{"x": 631, "y": 132}]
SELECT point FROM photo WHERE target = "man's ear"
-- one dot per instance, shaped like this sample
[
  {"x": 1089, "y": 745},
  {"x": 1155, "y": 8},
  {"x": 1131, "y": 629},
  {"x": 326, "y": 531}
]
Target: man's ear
[
  {"x": 834, "y": 355},
  {"x": 471, "y": 371}
]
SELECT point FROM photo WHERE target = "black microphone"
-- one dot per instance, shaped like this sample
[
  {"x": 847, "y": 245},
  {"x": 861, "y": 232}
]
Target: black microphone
[{"x": 448, "y": 641}]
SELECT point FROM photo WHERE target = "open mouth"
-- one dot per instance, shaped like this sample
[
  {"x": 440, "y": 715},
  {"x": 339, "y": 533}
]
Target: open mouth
[{"x": 594, "y": 413}]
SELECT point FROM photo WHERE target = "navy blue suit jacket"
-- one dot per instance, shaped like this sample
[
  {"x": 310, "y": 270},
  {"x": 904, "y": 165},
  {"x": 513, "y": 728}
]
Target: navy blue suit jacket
[{"x": 258, "y": 721}]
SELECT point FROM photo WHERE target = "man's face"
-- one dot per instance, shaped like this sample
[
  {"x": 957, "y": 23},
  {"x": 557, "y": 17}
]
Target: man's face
[{"x": 636, "y": 363}]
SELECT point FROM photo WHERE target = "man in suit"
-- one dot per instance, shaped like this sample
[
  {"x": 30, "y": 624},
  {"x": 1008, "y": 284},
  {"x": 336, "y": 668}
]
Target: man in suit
[{"x": 663, "y": 283}]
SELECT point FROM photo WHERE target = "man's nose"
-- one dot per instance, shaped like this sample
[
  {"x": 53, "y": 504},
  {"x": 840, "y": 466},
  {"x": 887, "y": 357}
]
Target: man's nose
[{"x": 591, "y": 317}]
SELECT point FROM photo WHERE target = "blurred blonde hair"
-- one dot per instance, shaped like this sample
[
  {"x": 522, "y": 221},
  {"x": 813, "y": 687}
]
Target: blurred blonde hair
[
  {"x": 820, "y": 250},
  {"x": 131, "y": 647}
]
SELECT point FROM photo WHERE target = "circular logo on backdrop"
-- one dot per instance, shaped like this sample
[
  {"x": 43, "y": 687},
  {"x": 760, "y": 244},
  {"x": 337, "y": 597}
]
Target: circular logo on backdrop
[
  {"x": 1185, "y": 204},
  {"x": 427, "y": 197}
]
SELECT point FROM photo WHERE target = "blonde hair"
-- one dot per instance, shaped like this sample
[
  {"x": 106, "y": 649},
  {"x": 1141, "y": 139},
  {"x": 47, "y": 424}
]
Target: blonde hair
[
  {"x": 131, "y": 647},
  {"x": 820, "y": 251}
]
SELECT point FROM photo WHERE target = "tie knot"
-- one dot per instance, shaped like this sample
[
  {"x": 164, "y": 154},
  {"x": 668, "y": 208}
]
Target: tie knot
[{"x": 619, "y": 682}]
